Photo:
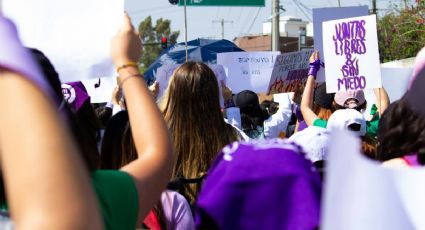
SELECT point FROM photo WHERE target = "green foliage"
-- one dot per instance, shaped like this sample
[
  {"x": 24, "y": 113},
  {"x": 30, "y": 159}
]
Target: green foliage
[
  {"x": 401, "y": 32},
  {"x": 151, "y": 38}
]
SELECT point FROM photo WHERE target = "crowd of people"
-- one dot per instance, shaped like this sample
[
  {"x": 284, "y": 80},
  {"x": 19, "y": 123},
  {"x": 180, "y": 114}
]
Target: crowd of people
[{"x": 185, "y": 162}]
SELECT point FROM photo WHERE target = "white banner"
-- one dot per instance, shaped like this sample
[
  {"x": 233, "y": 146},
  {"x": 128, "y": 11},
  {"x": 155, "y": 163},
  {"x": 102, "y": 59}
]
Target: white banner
[
  {"x": 74, "y": 34},
  {"x": 289, "y": 72},
  {"x": 361, "y": 194},
  {"x": 248, "y": 70},
  {"x": 350, "y": 48}
]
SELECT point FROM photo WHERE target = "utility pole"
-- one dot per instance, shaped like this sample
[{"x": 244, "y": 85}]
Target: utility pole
[
  {"x": 222, "y": 21},
  {"x": 275, "y": 25},
  {"x": 374, "y": 7},
  {"x": 339, "y": 3}
]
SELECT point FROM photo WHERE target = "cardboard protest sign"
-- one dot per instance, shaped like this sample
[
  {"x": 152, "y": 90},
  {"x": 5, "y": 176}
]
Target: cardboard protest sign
[
  {"x": 351, "y": 54},
  {"x": 321, "y": 15},
  {"x": 289, "y": 72},
  {"x": 362, "y": 194},
  {"x": 248, "y": 70},
  {"x": 74, "y": 34}
]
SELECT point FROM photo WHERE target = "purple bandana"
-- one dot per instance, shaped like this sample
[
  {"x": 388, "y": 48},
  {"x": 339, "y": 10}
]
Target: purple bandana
[
  {"x": 261, "y": 185},
  {"x": 15, "y": 57},
  {"x": 75, "y": 94}
]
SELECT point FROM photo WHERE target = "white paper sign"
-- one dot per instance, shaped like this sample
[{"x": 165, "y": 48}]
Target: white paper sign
[
  {"x": 74, "y": 34},
  {"x": 351, "y": 53},
  {"x": 326, "y": 14},
  {"x": 289, "y": 72},
  {"x": 220, "y": 74},
  {"x": 361, "y": 194},
  {"x": 100, "y": 90},
  {"x": 284, "y": 100},
  {"x": 163, "y": 75},
  {"x": 248, "y": 70}
]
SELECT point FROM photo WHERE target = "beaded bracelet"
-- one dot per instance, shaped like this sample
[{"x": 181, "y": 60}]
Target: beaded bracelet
[
  {"x": 121, "y": 82},
  {"x": 130, "y": 64}
]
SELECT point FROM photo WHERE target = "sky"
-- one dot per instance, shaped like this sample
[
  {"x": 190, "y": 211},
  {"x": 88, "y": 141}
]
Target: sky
[{"x": 241, "y": 20}]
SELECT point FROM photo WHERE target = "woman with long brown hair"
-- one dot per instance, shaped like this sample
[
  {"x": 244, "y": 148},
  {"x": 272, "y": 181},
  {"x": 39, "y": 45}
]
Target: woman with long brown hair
[{"x": 192, "y": 111}]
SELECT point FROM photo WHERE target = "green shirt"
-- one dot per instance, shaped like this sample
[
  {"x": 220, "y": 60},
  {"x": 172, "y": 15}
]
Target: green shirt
[
  {"x": 118, "y": 199},
  {"x": 371, "y": 126}
]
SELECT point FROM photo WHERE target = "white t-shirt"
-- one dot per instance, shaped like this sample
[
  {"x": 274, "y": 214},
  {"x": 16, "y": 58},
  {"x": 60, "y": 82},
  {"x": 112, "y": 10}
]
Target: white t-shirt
[{"x": 277, "y": 123}]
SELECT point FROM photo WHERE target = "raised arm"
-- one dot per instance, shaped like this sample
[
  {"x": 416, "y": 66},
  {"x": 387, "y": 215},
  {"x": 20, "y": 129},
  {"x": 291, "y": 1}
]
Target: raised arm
[
  {"x": 152, "y": 169},
  {"x": 46, "y": 183},
  {"x": 382, "y": 99},
  {"x": 307, "y": 98}
]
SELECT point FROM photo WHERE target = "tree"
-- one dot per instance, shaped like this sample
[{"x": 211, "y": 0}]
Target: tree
[
  {"x": 151, "y": 38},
  {"x": 401, "y": 32}
]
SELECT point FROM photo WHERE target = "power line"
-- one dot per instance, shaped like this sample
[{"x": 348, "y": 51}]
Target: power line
[
  {"x": 246, "y": 19},
  {"x": 255, "y": 18},
  {"x": 239, "y": 17},
  {"x": 218, "y": 11},
  {"x": 228, "y": 12}
]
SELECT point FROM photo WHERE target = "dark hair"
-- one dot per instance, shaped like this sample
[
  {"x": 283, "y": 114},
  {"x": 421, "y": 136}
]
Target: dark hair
[
  {"x": 104, "y": 114},
  {"x": 358, "y": 108},
  {"x": 253, "y": 117},
  {"x": 83, "y": 125},
  {"x": 270, "y": 106},
  {"x": 118, "y": 149},
  {"x": 369, "y": 145},
  {"x": 401, "y": 132}
]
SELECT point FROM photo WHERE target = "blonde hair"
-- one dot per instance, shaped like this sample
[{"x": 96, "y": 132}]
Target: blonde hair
[{"x": 192, "y": 111}]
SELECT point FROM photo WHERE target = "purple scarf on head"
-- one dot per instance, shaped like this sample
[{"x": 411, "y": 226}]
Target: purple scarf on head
[
  {"x": 15, "y": 57},
  {"x": 261, "y": 185}
]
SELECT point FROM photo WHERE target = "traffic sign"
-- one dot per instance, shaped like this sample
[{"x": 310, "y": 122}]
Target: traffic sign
[{"x": 223, "y": 2}]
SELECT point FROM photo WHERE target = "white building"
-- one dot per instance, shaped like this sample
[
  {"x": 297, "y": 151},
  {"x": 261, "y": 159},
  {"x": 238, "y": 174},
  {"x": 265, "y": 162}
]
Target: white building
[{"x": 290, "y": 26}]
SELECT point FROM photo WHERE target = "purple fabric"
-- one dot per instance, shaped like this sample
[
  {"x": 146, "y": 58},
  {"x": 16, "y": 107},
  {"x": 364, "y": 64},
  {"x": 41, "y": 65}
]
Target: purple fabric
[
  {"x": 75, "y": 94},
  {"x": 314, "y": 67},
  {"x": 301, "y": 126},
  {"x": 301, "y": 123},
  {"x": 412, "y": 160},
  {"x": 15, "y": 57},
  {"x": 260, "y": 185}
]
